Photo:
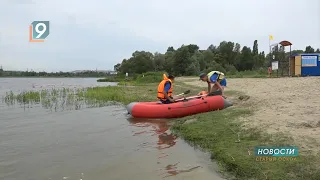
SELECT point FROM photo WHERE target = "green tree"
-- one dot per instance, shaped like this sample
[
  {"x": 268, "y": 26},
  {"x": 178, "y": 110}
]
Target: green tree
[
  {"x": 257, "y": 61},
  {"x": 228, "y": 57},
  {"x": 226, "y": 51},
  {"x": 255, "y": 50},
  {"x": 208, "y": 57},
  {"x": 142, "y": 61},
  {"x": 159, "y": 60},
  {"x": 212, "y": 48},
  {"x": 168, "y": 65},
  {"x": 116, "y": 67},
  {"x": 182, "y": 59},
  {"x": 194, "y": 67},
  {"x": 246, "y": 60},
  {"x": 309, "y": 49},
  {"x": 297, "y": 51},
  {"x": 170, "y": 49},
  {"x": 192, "y": 48}
]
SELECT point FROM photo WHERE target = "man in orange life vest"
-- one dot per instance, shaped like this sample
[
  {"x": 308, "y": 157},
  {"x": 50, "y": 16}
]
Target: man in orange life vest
[{"x": 165, "y": 90}]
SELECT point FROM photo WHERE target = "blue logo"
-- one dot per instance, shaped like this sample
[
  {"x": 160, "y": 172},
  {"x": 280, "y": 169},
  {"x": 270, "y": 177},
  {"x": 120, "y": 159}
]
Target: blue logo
[
  {"x": 280, "y": 151},
  {"x": 39, "y": 31}
]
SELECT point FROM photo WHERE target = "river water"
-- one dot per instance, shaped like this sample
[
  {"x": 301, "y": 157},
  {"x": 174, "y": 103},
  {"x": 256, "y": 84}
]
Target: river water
[{"x": 100, "y": 143}]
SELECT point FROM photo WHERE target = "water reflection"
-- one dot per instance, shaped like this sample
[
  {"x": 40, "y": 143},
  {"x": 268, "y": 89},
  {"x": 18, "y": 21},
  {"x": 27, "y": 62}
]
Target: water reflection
[
  {"x": 157, "y": 127},
  {"x": 173, "y": 171},
  {"x": 160, "y": 128},
  {"x": 166, "y": 139}
]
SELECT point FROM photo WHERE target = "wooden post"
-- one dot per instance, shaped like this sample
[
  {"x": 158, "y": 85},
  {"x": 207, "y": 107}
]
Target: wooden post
[{"x": 290, "y": 62}]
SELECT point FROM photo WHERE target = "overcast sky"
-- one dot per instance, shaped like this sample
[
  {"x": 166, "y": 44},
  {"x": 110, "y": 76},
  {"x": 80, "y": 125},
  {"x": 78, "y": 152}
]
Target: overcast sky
[{"x": 94, "y": 34}]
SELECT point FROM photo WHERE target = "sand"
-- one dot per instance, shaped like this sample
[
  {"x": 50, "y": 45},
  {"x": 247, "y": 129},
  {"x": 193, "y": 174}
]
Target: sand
[{"x": 281, "y": 105}]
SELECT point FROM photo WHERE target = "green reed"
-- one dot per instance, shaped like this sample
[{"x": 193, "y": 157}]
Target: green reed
[{"x": 65, "y": 98}]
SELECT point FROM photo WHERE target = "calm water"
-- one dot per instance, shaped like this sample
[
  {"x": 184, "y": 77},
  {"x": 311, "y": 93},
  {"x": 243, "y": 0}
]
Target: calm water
[
  {"x": 23, "y": 84},
  {"x": 91, "y": 143}
]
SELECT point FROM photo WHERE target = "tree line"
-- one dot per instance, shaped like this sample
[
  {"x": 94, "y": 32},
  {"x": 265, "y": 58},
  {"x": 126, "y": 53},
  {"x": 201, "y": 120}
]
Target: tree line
[
  {"x": 228, "y": 57},
  {"x": 53, "y": 74}
]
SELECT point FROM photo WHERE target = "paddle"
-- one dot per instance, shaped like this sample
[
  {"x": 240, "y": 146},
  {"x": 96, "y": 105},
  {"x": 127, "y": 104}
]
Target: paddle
[
  {"x": 186, "y": 92},
  {"x": 215, "y": 93}
]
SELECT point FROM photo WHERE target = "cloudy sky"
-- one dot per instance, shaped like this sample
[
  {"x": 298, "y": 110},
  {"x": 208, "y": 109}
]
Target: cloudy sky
[{"x": 90, "y": 34}]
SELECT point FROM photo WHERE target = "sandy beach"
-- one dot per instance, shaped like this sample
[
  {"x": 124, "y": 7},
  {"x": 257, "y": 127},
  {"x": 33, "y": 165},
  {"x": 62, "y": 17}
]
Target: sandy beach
[{"x": 281, "y": 105}]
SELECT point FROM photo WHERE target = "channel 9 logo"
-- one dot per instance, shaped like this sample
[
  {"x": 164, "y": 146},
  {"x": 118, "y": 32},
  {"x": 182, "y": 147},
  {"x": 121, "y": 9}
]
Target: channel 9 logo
[{"x": 38, "y": 31}]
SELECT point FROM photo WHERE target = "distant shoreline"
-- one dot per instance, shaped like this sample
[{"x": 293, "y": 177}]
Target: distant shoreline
[
  {"x": 45, "y": 77},
  {"x": 32, "y": 74}
]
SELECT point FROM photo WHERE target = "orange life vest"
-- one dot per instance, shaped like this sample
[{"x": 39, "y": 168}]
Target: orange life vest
[{"x": 161, "y": 88}]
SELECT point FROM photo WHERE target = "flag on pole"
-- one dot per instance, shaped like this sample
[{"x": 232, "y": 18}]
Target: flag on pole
[{"x": 270, "y": 37}]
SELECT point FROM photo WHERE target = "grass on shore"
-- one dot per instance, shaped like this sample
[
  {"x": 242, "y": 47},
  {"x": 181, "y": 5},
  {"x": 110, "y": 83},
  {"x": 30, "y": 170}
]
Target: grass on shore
[
  {"x": 94, "y": 96},
  {"x": 260, "y": 73},
  {"x": 219, "y": 132},
  {"x": 53, "y": 99},
  {"x": 135, "y": 79}
]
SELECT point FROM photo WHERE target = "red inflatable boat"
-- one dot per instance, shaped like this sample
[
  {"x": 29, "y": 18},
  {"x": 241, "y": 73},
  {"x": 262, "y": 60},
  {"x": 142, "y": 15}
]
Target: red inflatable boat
[{"x": 189, "y": 107}]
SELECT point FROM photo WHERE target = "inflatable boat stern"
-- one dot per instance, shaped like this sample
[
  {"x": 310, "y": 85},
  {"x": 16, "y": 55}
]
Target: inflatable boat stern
[
  {"x": 130, "y": 106},
  {"x": 226, "y": 103}
]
